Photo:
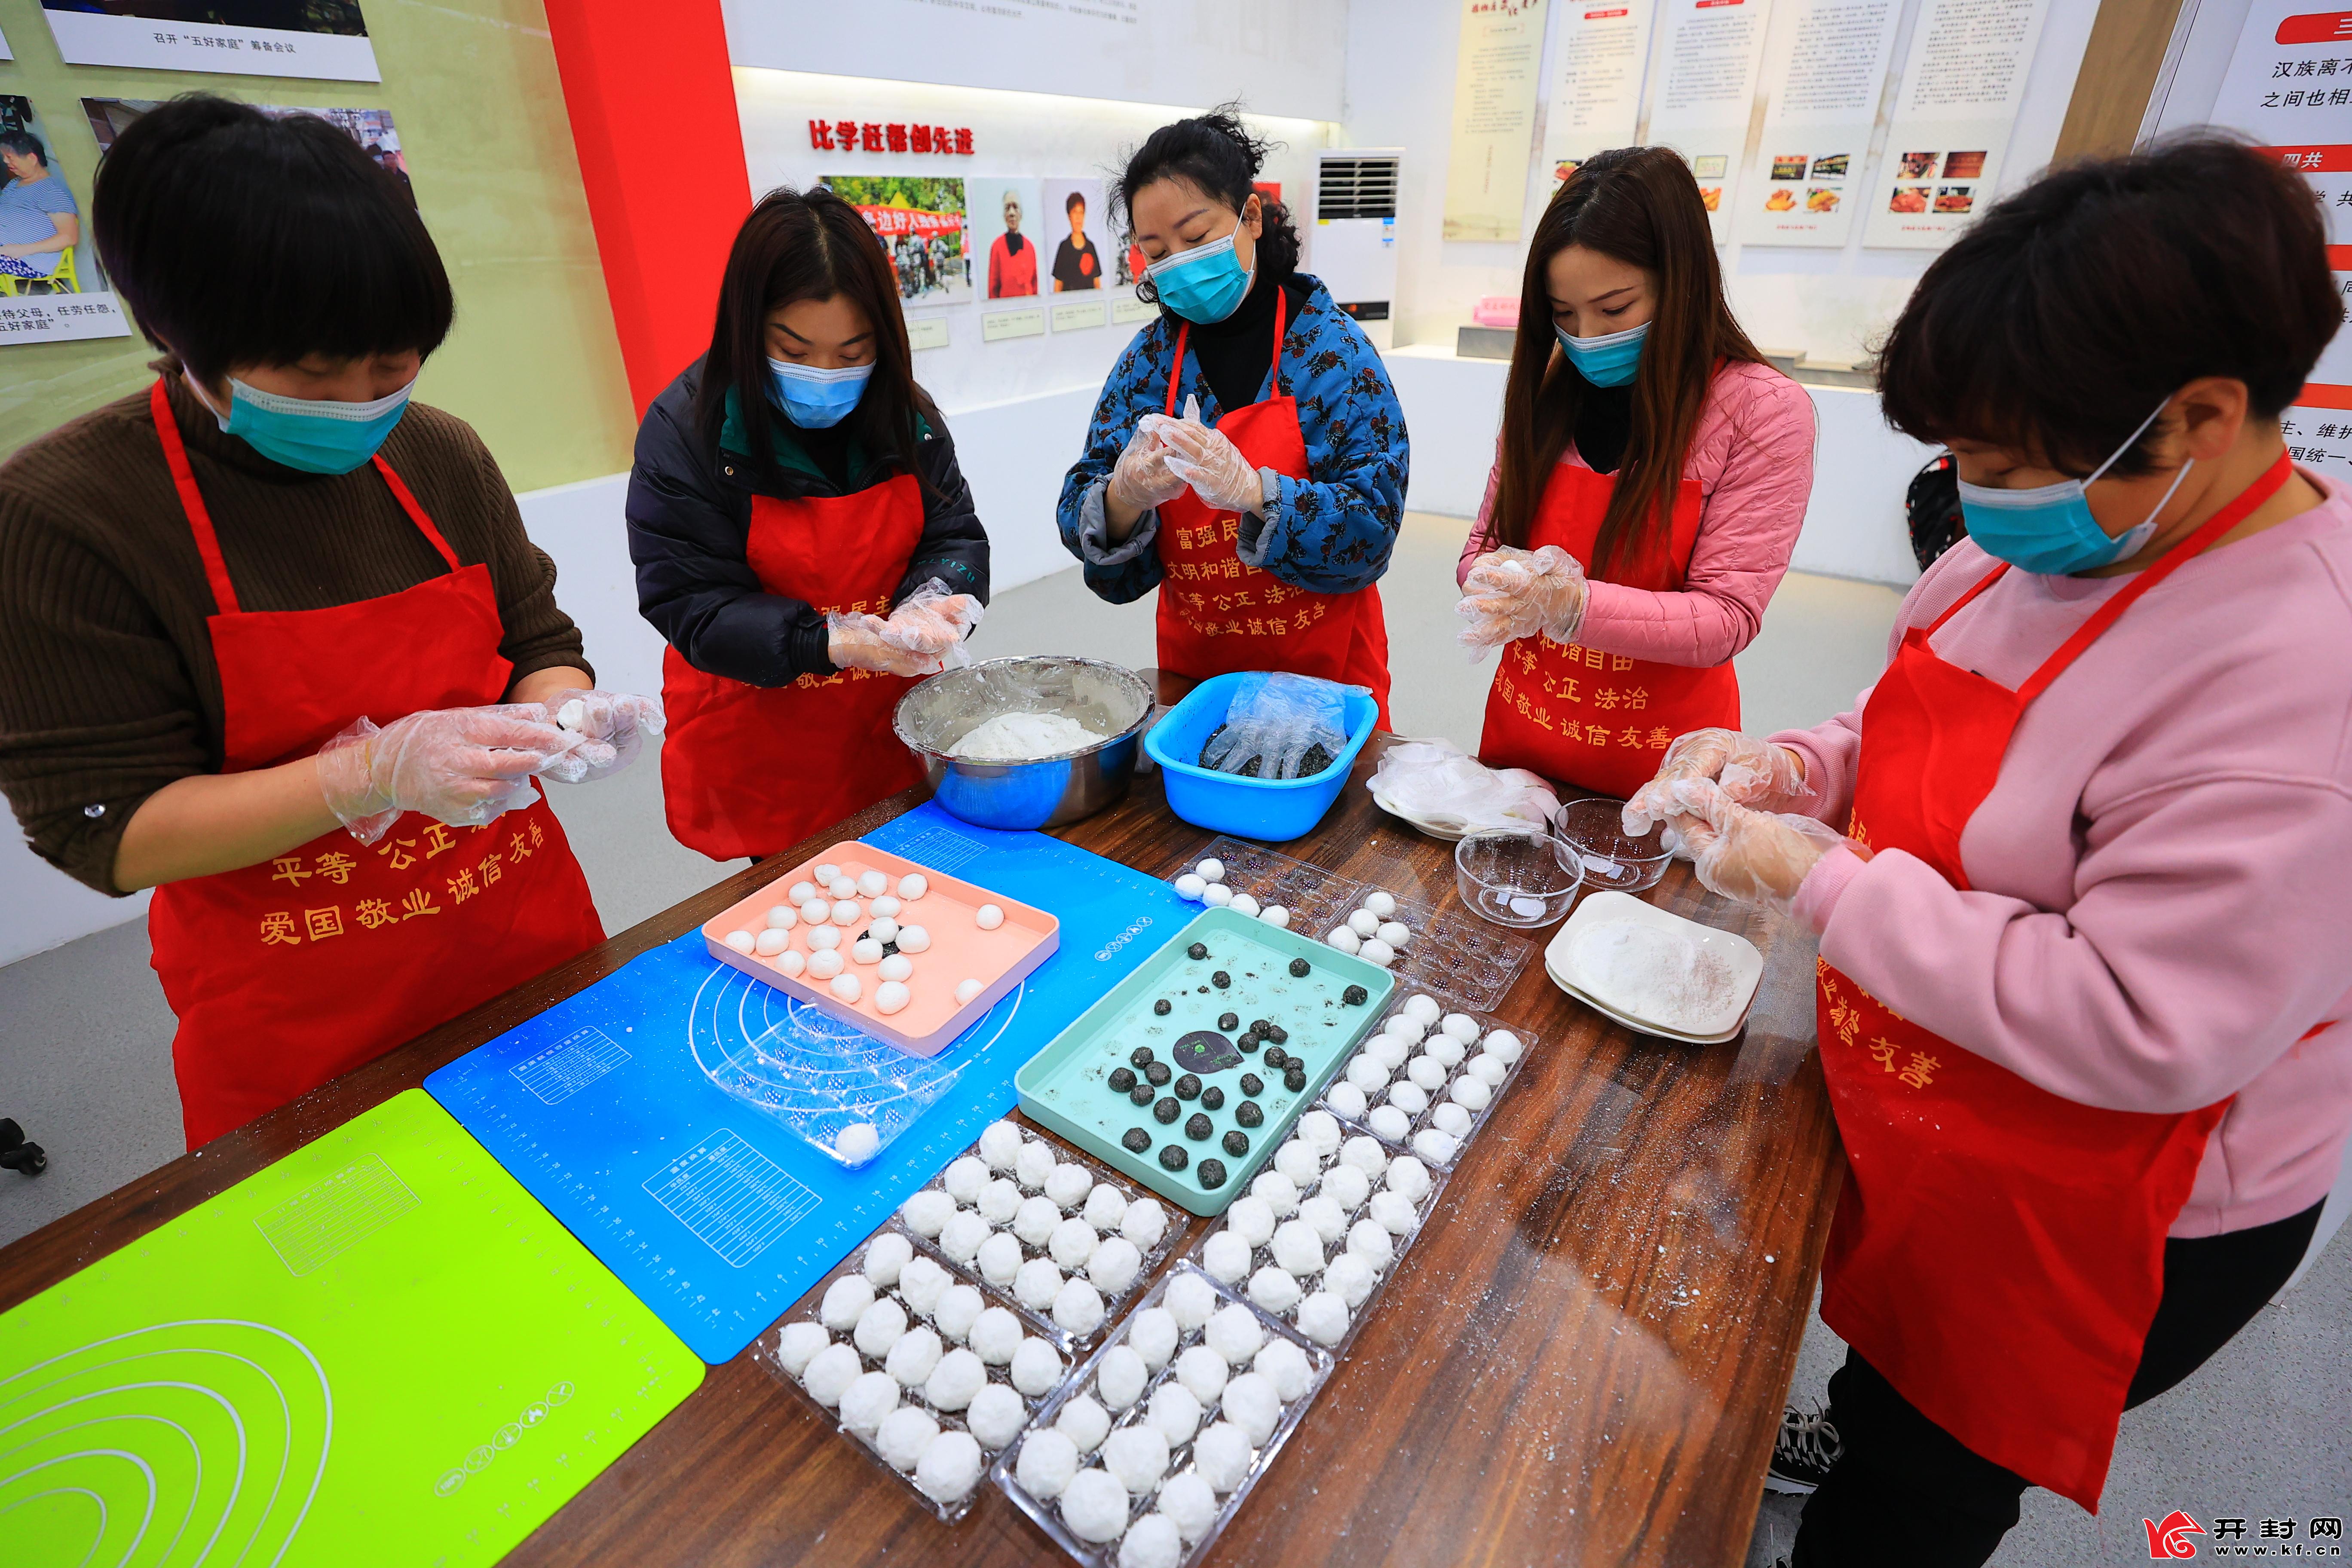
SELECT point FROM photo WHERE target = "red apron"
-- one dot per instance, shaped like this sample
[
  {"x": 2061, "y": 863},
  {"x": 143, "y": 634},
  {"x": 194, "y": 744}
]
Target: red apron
[
  {"x": 750, "y": 770},
  {"x": 1218, "y": 613},
  {"x": 286, "y": 974},
  {"x": 1999, "y": 1250},
  {"x": 1600, "y": 721}
]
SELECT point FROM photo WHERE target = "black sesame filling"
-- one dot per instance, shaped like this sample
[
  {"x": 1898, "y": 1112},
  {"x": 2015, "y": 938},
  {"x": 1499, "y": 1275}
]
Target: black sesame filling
[
  {"x": 1159, "y": 1073},
  {"x": 1249, "y": 1114},
  {"x": 1166, "y": 1110},
  {"x": 1236, "y": 1144},
  {"x": 1212, "y": 1173},
  {"x": 1172, "y": 1157},
  {"x": 1198, "y": 1126},
  {"x": 1213, "y": 1098},
  {"x": 1188, "y": 1088},
  {"x": 1137, "y": 1140},
  {"x": 1122, "y": 1080}
]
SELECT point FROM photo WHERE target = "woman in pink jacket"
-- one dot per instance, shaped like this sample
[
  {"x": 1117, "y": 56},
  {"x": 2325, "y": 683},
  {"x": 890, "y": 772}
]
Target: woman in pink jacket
[
  {"x": 2083, "y": 954},
  {"x": 1648, "y": 485}
]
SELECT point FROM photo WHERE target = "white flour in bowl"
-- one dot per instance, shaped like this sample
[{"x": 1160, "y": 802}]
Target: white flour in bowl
[{"x": 1024, "y": 737}]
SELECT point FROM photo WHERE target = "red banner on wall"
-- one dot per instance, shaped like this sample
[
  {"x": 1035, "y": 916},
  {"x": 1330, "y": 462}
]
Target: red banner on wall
[{"x": 892, "y": 222}]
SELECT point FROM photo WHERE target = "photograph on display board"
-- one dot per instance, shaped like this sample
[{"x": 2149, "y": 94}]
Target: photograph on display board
[
  {"x": 920, "y": 219},
  {"x": 371, "y": 127},
  {"x": 1074, "y": 210},
  {"x": 1010, "y": 213},
  {"x": 52, "y": 288},
  {"x": 326, "y": 38}
]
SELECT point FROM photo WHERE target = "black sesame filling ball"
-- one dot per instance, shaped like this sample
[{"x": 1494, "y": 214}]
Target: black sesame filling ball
[
  {"x": 1162, "y": 1006},
  {"x": 1197, "y": 951},
  {"x": 1166, "y": 1110},
  {"x": 1140, "y": 1094},
  {"x": 1249, "y": 1114},
  {"x": 1253, "y": 1084},
  {"x": 1295, "y": 1079},
  {"x": 1236, "y": 1144},
  {"x": 1139, "y": 1057},
  {"x": 1264, "y": 1030},
  {"x": 1198, "y": 1126},
  {"x": 1276, "y": 1032},
  {"x": 1275, "y": 1057},
  {"x": 1188, "y": 1088},
  {"x": 1248, "y": 1042},
  {"x": 1212, "y": 1171},
  {"x": 1221, "y": 980},
  {"x": 1173, "y": 1158},
  {"x": 1355, "y": 995},
  {"x": 1229, "y": 1022},
  {"x": 1122, "y": 1080},
  {"x": 1299, "y": 968},
  {"x": 1213, "y": 1099},
  {"x": 1137, "y": 1140},
  {"x": 1159, "y": 1073}
]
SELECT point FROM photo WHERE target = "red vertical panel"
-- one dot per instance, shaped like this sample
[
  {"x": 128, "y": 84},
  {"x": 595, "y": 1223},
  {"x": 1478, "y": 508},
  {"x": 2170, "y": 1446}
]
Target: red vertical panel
[{"x": 652, "y": 104}]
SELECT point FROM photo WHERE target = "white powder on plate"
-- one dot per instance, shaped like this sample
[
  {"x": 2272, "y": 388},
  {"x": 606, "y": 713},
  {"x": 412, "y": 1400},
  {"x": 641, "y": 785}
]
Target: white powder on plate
[
  {"x": 1024, "y": 737},
  {"x": 1658, "y": 975}
]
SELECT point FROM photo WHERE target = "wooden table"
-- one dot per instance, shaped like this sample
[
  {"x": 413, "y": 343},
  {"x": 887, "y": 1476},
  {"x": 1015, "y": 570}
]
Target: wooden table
[{"x": 1582, "y": 1359}]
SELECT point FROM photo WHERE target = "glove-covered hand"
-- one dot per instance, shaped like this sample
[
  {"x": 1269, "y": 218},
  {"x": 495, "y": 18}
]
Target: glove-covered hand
[
  {"x": 1751, "y": 773},
  {"x": 464, "y": 766},
  {"x": 1209, "y": 462},
  {"x": 921, "y": 636},
  {"x": 1141, "y": 479},
  {"x": 1751, "y": 857},
  {"x": 612, "y": 727},
  {"x": 1509, "y": 593}
]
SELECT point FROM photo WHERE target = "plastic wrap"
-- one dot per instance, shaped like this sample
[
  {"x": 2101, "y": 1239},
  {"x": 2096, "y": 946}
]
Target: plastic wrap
[
  {"x": 1433, "y": 782},
  {"x": 1279, "y": 726}
]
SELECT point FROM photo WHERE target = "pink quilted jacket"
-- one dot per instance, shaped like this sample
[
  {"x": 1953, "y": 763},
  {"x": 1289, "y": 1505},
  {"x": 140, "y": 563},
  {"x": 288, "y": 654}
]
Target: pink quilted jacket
[{"x": 1752, "y": 456}]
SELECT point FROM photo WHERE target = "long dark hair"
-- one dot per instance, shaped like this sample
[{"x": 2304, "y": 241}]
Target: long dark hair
[
  {"x": 808, "y": 246},
  {"x": 1640, "y": 206},
  {"x": 1216, "y": 156}
]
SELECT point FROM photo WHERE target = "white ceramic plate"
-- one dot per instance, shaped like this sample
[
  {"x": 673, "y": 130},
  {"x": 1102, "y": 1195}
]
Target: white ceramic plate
[
  {"x": 1597, "y": 908},
  {"x": 1450, "y": 835},
  {"x": 1636, "y": 1025}
]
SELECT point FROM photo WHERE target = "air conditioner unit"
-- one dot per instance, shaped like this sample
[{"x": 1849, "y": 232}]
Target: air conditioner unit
[{"x": 1353, "y": 248}]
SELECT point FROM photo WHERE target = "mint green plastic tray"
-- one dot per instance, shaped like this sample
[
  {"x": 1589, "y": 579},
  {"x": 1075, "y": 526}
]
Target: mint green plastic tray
[{"x": 1066, "y": 1086}]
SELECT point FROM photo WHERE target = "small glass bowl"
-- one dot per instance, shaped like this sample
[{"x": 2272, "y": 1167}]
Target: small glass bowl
[
  {"x": 1590, "y": 838},
  {"x": 1513, "y": 879}
]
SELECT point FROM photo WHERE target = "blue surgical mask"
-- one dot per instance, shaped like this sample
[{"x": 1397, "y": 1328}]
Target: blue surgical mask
[
  {"x": 1609, "y": 360},
  {"x": 818, "y": 399},
  {"x": 1204, "y": 284},
  {"x": 316, "y": 436},
  {"x": 2049, "y": 530}
]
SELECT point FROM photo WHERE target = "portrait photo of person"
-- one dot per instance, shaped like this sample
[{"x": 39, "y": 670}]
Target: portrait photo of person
[
  {"x": 1011, "y": 207},
  {"x": 1077, "y": 261},
  {"x": 41, "y": 223}
]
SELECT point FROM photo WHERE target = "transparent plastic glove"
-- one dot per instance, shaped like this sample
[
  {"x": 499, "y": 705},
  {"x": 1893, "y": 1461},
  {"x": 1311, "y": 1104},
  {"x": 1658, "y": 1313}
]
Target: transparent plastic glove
[
  {"x": 1209, "y": 462},
  {"x": 464, "y": 766},
  {"x": 612, "y": 727},
  {"x": 1753, "y": 857},
  {"x": 1141, "y": 480},
  {"x": 932, "y": 620},
  {"x": 1752, "y": 772},
  {"x": 1509, "y": 593},
  {"x": 1436, "y": 784},
  {"x": 1279, "y": 726}
]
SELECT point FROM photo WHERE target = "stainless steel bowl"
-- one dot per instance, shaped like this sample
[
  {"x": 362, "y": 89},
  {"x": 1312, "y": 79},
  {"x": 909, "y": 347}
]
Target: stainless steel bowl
[{"x": 1105, "y": 698}]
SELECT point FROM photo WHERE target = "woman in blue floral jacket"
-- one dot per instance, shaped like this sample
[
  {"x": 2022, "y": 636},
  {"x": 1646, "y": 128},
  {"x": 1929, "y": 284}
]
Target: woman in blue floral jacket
[{"x": 1248, "y": 455}]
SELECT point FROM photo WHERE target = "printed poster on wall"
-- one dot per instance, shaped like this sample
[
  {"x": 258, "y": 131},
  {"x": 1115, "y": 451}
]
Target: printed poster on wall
[
  {"x": 1012, "y": 214},
  {"x": 51, "y": 286},
  {"x": 2289, "y": 84},
  {"x": 371, "y": 127},
  {"x": 1596, "y": 85},
  {"x": 1961, "y": 87},
  {"x": 921, "y": 221},
  {"x": 322, "y": 39},
  {"x": 1825, "y": 68},
  {"x": 1496, "y": 74},
  {"x": 1714, "y": 49}
]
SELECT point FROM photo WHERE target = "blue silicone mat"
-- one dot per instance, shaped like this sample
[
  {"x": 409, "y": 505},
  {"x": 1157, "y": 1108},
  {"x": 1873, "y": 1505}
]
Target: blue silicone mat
[{"x": 716, "y": 1217}]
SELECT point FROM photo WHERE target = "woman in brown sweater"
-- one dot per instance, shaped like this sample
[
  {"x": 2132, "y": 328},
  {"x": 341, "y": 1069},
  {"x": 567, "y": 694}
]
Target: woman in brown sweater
[{"x": 272, "y": 640}]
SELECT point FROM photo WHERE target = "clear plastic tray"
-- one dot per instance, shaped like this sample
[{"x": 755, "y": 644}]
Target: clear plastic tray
[
  {"x": 1529, "y": 1042},
  {"x": 1047, "y": 1513},
  {"x": 819, "y": 1076}
]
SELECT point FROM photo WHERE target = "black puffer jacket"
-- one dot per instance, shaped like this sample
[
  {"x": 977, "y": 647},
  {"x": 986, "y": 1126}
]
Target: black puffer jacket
[{"x": 689, "y": 511}]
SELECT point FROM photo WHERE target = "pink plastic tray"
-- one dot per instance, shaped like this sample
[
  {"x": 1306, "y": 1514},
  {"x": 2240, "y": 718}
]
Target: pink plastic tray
[{"x": 960, "y": 950}]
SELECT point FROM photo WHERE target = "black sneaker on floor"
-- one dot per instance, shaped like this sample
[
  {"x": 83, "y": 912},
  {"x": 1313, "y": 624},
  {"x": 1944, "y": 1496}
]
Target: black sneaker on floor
[{"x": 1803, "y": 1453}]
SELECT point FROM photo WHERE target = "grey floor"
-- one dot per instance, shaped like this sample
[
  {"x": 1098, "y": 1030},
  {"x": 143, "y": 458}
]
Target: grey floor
[{"x": 85, "y": 1054}]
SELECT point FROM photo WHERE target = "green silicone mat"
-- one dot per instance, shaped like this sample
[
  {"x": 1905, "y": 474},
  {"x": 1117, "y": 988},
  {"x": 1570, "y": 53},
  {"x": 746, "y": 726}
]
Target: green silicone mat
[
  {"x": 1068, "y": 1085},
  {"x": 380, "y": 1350}
]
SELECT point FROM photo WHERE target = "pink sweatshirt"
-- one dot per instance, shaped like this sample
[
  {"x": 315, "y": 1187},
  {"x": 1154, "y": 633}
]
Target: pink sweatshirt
[
  {"x": 1752, "y": 455},
  {"x": 2160, "y": 873}
]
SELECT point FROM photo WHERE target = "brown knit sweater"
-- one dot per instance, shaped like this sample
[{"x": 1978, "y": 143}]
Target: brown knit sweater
[{"x": 108, "y": 687}]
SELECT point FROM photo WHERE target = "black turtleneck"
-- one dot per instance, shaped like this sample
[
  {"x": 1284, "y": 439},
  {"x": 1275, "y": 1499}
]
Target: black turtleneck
[
  {"x": 1236, "y": 353},
  {"x": 1604, "y": 423}
]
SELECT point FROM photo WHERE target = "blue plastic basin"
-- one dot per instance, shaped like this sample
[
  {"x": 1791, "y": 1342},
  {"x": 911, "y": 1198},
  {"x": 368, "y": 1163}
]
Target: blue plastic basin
[{"x": 1268, "y": 809}]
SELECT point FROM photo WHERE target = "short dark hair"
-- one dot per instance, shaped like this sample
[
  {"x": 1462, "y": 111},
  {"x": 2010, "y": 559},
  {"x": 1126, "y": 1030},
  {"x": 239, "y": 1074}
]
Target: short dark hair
[
  {"x": 2057, "y": 322},
  {"x": 1214, "y": 153},
  {"x": 1074, "y": 199},
  {"x": 23, "y": 144},
  {"x": 240, "y": 238}
]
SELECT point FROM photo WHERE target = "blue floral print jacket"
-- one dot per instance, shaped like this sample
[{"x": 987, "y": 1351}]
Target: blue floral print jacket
[{"x": 1331, "y": 533}]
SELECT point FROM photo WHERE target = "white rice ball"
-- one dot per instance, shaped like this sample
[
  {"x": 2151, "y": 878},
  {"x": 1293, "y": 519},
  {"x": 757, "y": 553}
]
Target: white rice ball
[
  {"x": 988, "y": 917},
  {"x": 1069, "y": 1184},
  {"x": 1244, "y": 904},
  {"x": 1364, "y": 923},
  {"x": 844, "y": 1298},
  {"x": 921, "y": 1283},
  {"x": 1138, "y": 1456},
  {"x": 842, "y": 887},
  {"x": 913, "y": 884},
  {"x": 1174, "y": 1409},
  {"x": 1366, "y": 1154},
  {"x": 1105, "y": 1207},
  {"x": 1405, "y": 1028},
  {"x": 950, "y": 1467},
  {"x": 864, "y": 1402},
  {"x": 1034, "y": 1221},
  {"x": 1345, "y": 940},
  {"x": 1389, "y": 1050},
  {"x": 1120, "y": 1375},
  {"x": 1434, "y": 1146},
  {"x": 825, "y": 939},
  {"x": 1299, "y": 1162},
  {"x": 914, "y": 938},
  {"x": 1504, "y": 1046},
  {"x": 964, "y": 1178},
  {"x": 1368, "y": 1073},
  {"x": 1216, "y": 895},
  {"x": 964, "y": 1235},
  {"x": 1152, "y": 1541},
  {"x": 1368, "y": 1239},
  {"x": 996, "y": 1415},
  {"x": 1190, "y": 886},
  {"x": 1275, "y": 916},
  {"x": 857, "y": 1143},
  {"x": 1275, "y": 1289},
  {"x": 1033, "y": 1164},
  {"x": 1000, "y": 1200},
  {"x": 1252, "y": 1405},
  {"x": 848, "y": 987},
  {"x": 914, "y": 1358},
  {"x": 865, "y": 950},
  {"x": 1000, "y": 1145},
  {"x": 824, "y": 964},
  {"x": 1422, "y": 1008},
  {"x": 1210, "y": 871},
  {"x": 1408, "y": 1097},
  {"x": 1345, "y": 1098},
  {"x": 815, "y": 912},
  {"x": 1037, "y": 1284},
  {"x": 1428, "y": 1073},
  {"x": 845, "y": 912},
  {"x": 1319, "y": 1130},
  {"x": 1048, "y": 1460},
  {"x": 1381, "y": 902},
  {"x": 1285, "y": 1366},
  {"x": 1461, "y": 1026},
  {"x": 797, "y": 1344},
  {"x": 896, "y": 968},
  {"x": 878, "y": 1328},
  {"x": 883, "y": 928},
  {"x": 1153, "y": 1332},
  {"x": 959, "y": 1307},
  {"x": 1346, "y": 1187},
  {"x": 1226, "y": 1255},
  {"x": 772, "y": 941},
  {"x": 1073, "y": 1242},
  {"x": 1323, "y": 1317},
  {"x": 1296, "y": 1248},
  {"x": 1445, "y": 1050},
  {"x": 1470, "y": 1093},
  {"x": 1395, "y": 935},
  {"x": 1000, "y": 1258},
  {"x": 995, "y": 1335},
  {"x": 1376, "y": 951},
  {"x": 1094, "y": 1505},
  {"x": 1222, "y": 1455},
  {"x": 1251, "y": 1219},
  {"x": 1190, "y": 1300},
  {"x": 1350, "y": 1278},
  {"x": 1328, "y": 1220},
  {"x": 1115, "y": 1263},
  {"x": 830, "y": 1373},
  {"x": 1278, "y": 1191},
  {"x": 741, "y": 941},
  {"x": 1188, "y": 1501},
  {"x": 1201, "y": 1370},
  {"x": 1451, "y": 1116},
  {"x": 1084, "y": 1423},
  {"x": 966, "y": 990},
  {"x": 1036, "y": 1367},
  {"x": 1390, "y": 1121},
  {"x": 801, "y": 892},
  {"x": 873, "y": 884},
  {"x": 1489, "y": 1067},
  {"x": 1078, "y": 1307},
  {"x": 953, "y": 1384},
  {"x": 884, "y": 907},
  {"x": 794, "y": 964},
  {"x": 1144, "y": 1223},
  {"x": 1409, "y": 1177},
  {"x": 903, "y": 1435}
]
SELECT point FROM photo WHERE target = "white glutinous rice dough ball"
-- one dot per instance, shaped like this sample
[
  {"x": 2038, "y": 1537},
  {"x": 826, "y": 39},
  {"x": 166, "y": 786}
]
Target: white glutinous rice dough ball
[
  {"x": 1504, "y": 1046},
  {"x": 1364, "y": 923},
  {"x": 1376, "y": 951},
  {"x": 873, "y": 884},
  {"x": 1285, "y": 1366},
  {"x": 1389, "y": 1050},
  {"x": 1121, "y": 1376},
  {"x": 1434, "y": 1146},
  {"x": 1395, "y": 934},
  {"x": 1073, "y": 1242},
  {"x": 830, "y": 1373},
  {"x": 1252, "y": 1218},
  {"x": 1278, "y": 1191},
  {"x": 1037, "y": 1284},
  {"x": 988, "y": 917},
  {"x": 913, "y": 886},
  {"x": 953, "y": 1384},
  {"x": 741, "y": 941},
  {"x": 1275, "y": 916},
  {"x": 1094, "y": 1505},
  {"x": 1489, "y": 1069},
  {"x": 801, "y": 892},
  {"x": 959, "y": 1307},
  {"x": 1138, "y": 1456},
  {"x": 1405, "y": 1028},
  {"x": 996, "y": 1415},
  {"x": 865, "y": 950},
  {"x": 1084, "y": 1423},
  {"x": 1390, "y": 1121},
  {"x": 1175, "y": 1410},
  {"x": 891, "y": 997},
  {"x": 885, "y": 905},
  {"x": 1368, "y": 1239},
  {"x": 950, "y": 1467},
  {"x": 793, "y": 963},
  {"x": 1410, "y": 1178},
  {"x": 1244, "y": 904},
  {"x": 921, "y": 1283},
  {"x": 914, "y": 1358},
  {"x": 1106, "y": 1206},
  {"x": 1408, "y": 1097},
  {"x": 1226, "y": 1257},
  {"x": 1034, "y": 1221},
  {"x": 845, "y": 1300},
  {"x": 1451, "y": 1117},
  {"x": 1296, "y": 1248},
  {"x": 864, "y": 1402},
  {"x": 966, "y": 990},
  {"x": 1346, "y": 1187},
  {"x": 963, "y": 1235},
  {"x": 1069, "y": 1184},
  {"x": 1273, "y": 1290},
  {"x": 995, "y": 1335},
  {"x": 884, "y": 1256},
  {"x": 1152, "y": 1541},
  {"x": 842, "y": 888},
  {"x": 1202, "y": 1370},
  {"x": 964, "y": 1178},
  {"x": 1190, "y": 1300},
  {"x": 1366, "y": 1154},
  {"x": 1342, "y": 938},
  {"x": 1323, "y": 1317},
  {"x": 1036, "y": 1367},
  {"x": 1153, "y": 1332},
  {"x": 1000, "y": 1145},
  {"x": 1445, "y": 1050},
  {"x": 883, "y": 928},
  {"x": 1320, "y": 1130},
  {"x": 815, "y": 912},
  {"x": 1368, "y": 1074},
  {"x": 1300, "y": 1163},
  {"x": 1472, "y": 1093},
  {"x": 797, "y": 1344},
  {"x": 825, "y": 873},
  {"x": 1350, "y": 1278},
  {"x": 825, "y": 939},
  {"x": 1234, "y": 1334},
  {"x": 848, "y": 987},
  {"x": 1036, "y": 1164},
  {"x": 1222, "y": 1455},
  {"x": 845, "y": 912},
  {"x": 1000, "y": 1200},
  {"x": 772, "y": 941},
  {"x": 1048, "y": 1460},
  {"x": 1346, "y": 1098},
  {"x": 914, "y": 938},
  {"x": 1190, "y": 1503},
  {"x": 824, "y": 964},
  {"x": 1427, "y": 1072},
  {"x": 1323, "y": 1213},
  {"x": 1381, "y": 902},
  {"x": 1078, "y": 1307},
  {"x": 1144, "y": 1223},
  {"x": 1216, "y": 895},
  {"x": 879, "y": 1327},
  {"x": 1115, "y": 1263},
  {"x": 1210, "y": 871},
  {"x": 1252, "y": 1405},
  {"x": 1000, "y": 1258},
  {"x": 1190, "y": 887},
  {"x": 1422, "y": 1008},
  {"x": 1461, "y": 1026}
]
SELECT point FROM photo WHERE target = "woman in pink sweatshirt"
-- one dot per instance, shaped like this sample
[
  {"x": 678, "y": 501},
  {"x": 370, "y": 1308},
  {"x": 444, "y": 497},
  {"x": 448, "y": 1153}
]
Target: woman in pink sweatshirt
[
  {"x": 2084, "y": 956},
  {"x": 1649, "y": 482}
]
